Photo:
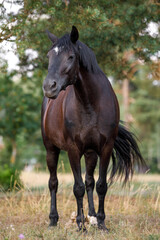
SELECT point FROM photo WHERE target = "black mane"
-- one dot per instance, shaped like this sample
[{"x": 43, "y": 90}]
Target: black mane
[{"x": 87, "y": 58}]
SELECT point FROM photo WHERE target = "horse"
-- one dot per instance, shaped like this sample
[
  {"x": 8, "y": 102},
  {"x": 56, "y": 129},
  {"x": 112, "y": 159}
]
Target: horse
[{"x": 80, "y": 115}]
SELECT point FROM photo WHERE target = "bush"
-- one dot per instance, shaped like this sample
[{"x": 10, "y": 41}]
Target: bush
[{"x": 9, "y": 178}]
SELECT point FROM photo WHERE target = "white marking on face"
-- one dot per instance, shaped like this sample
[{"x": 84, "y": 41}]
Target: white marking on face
[{"x": 56, "y": 49}]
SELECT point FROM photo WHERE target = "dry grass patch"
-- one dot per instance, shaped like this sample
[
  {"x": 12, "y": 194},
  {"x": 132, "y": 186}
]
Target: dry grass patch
[
  {"x": 35, "y": 179},
  {"x": 130, "y": 214}
]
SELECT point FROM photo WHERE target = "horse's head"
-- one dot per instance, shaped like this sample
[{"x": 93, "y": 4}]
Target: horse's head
[{"x": 63, "y": 63}]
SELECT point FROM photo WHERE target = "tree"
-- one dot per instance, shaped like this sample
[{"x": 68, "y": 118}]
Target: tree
[
  {"x": 147, "y": 109},
  {"x": 18, "y": 111},
  {"x": 118, "y": 26}
]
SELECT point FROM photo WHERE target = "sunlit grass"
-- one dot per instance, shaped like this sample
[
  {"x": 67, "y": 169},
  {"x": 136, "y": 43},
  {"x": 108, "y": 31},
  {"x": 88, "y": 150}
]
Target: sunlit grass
[{"x": 131, "y": 213}]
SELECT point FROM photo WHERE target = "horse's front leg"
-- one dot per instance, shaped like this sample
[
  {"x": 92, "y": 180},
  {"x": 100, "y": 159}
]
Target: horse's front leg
[
  {"x": 91, "y": 162},
  {"x": 52, "y": 160},
  {"x": 101, "y": 185},
  {"x": 79, "y": 187}
]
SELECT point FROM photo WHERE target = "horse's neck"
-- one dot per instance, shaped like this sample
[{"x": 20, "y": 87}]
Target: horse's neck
[{"x": 87, "y": 88}]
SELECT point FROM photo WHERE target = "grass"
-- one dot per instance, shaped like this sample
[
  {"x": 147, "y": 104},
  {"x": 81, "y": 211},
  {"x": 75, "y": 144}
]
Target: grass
[{"x": 130, "y": 213}]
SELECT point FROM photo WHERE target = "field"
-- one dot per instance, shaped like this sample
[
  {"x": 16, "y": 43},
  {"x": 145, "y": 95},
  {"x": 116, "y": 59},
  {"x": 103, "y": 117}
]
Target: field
[{"x": 131, "y": 213}]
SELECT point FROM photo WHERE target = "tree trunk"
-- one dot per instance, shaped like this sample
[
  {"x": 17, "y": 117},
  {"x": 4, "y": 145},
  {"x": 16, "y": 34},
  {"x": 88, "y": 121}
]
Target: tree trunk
[
  {"x": 14, "y": 152},
  {"x": 125, "y": 92}
]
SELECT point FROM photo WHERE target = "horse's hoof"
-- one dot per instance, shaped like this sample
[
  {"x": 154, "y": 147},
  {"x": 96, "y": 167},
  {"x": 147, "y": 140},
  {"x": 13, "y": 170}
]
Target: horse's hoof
[
  {"x": 103, "y": 227},
  {"x": 82, "y": 228},
  {"x": 53, "y": 223}
]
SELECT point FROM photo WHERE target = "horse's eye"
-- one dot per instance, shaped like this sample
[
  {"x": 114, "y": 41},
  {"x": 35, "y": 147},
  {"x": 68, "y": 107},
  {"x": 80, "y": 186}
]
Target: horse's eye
[{"x": 71, "y": 57}]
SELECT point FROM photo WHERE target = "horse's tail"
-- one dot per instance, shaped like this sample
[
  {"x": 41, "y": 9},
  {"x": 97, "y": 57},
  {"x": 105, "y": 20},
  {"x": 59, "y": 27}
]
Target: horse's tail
[{"x": 125, "y": 155}]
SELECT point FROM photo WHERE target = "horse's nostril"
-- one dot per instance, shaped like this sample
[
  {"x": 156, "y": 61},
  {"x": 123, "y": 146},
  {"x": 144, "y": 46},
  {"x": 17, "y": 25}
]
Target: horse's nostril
[{"x": 53, "y": 84}]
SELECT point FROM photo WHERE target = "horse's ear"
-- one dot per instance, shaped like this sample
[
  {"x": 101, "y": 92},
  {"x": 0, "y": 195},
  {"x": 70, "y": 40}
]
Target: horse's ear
[
  {"x": 74, "y": 34},
  {"x": 52, "y": 37}
]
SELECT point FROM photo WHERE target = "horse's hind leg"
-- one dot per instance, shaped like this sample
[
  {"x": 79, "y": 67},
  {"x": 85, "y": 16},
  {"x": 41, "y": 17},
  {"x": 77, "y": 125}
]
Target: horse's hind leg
[
  {"x": 52, "y": 160},
  {"x": 79, "y": 187},
  {"x": 91, "y": 162},
  {"x": 101, "y": 185}
]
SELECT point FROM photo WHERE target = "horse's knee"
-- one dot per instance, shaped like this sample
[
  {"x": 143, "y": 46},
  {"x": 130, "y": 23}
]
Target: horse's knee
[
  {"x": 79, "y": 190},
  {"x": 52, "y": 159},
  {"x": 89, "y": 182},
  {"x": 101, "y": 187},
  {"x": 53, "y": 184}
]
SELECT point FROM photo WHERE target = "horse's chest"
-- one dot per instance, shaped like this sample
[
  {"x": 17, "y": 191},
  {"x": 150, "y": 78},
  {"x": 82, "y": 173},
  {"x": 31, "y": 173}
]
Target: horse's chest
[
  {"x": 84, "y": 132},
  {"x": 81, "y": 126}
]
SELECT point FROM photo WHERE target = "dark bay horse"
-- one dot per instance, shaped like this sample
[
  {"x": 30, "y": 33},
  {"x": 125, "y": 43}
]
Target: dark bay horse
[{"x": 80, "y": 114}]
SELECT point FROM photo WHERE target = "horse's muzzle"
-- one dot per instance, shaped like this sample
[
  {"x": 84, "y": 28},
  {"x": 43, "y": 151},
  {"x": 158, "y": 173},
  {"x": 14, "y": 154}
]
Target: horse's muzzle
[
  {"x": 50, "y": 90},
  {"x": 51, "y": 94}
]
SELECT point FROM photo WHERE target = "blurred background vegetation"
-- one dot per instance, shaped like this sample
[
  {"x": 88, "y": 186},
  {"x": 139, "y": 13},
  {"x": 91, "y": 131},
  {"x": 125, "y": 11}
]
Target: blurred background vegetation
[{"x": 125, "y": 38}]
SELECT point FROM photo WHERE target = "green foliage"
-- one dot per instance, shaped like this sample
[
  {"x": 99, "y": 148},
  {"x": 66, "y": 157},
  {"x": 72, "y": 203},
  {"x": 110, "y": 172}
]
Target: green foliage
[
  {"x": 9, "y": 178},
  {"x": 18, "y": 111},
  {"x": 19, "y": 117},
  {"x": 146, "y": 110},
  {"x": 118, "y": 26}
]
